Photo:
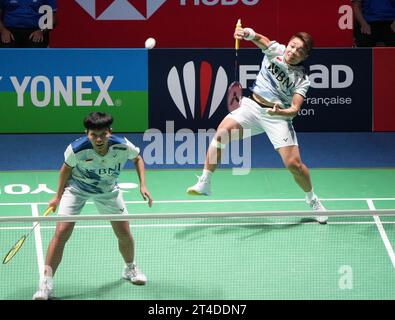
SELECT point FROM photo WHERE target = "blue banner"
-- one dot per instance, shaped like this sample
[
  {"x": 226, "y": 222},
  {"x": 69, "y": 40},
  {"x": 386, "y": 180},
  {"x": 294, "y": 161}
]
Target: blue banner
[
  {"x": 129, "y": 65},
  {"x": 188, "y": 86},
  {"x": 52, "y": 90},
  {"x": 340, "y": 94}
]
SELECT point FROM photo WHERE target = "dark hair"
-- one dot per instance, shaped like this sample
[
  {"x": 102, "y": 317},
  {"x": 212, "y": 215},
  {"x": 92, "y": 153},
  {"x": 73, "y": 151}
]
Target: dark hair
[
  {"x": 97, "y": 121},
  {"x": 306, "y": 38}
]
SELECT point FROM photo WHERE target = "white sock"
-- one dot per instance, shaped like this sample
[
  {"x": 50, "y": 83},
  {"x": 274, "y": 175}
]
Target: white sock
[
  {"x": 310, "y": 195},
  {"x": 130, "y": 265},
  {"x": 207, "y": 175},
  {"x": 48, "y": 280}
]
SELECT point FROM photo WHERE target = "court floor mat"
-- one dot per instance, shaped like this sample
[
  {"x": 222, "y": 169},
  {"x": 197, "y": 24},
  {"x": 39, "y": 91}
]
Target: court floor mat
[{"x": 214, "y": 258}]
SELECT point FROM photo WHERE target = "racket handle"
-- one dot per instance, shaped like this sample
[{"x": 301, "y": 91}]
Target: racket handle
[
  {"x": 238, "y": 26},
  {"x": 49, "y": 209}
]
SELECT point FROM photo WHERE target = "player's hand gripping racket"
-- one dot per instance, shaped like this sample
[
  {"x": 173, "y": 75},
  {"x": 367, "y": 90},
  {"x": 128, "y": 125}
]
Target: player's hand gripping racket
[
  {"x": 18, "y": 245},
  {"x": 235, "y": 91}
]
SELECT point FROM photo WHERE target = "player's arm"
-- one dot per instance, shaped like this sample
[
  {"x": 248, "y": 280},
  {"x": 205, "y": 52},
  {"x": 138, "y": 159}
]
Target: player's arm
[
  {"x": 249, "y": 34},
  {"x": 64, "y": 176},
  {"x": 139, "y": 164},
  {"x": 292, "y": 111}
]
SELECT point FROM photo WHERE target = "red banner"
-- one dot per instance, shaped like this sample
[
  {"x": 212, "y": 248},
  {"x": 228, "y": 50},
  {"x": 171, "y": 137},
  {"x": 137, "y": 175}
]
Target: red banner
[
  {"x": 383, "y": 89},
  {"x": 197, "y": 23}
]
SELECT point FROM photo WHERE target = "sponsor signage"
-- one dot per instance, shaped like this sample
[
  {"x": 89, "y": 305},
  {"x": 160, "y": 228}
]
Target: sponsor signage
[
  {"x": 383, "y": 89},
  {"x": 189, "y": 87},
  {"x": 51, "y": 91},
  {"x": 197, "y": 23},
  {"x": 340, "y": 95}
]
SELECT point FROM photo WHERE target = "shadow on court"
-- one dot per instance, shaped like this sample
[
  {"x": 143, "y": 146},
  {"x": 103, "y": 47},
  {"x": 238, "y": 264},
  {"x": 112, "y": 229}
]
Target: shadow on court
[
  {"x": 243, "y": 229},
  {"x": 162, "y": 289},
  {"x": 25, "y": 293},
  {"x": 101, "y": 292}
]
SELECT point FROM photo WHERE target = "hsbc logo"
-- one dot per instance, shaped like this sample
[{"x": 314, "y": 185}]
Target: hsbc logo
[
  {"x": 121, "y": 9},
  {"x": 144, "y": 9},
  {"x": 185, "y": 87}
]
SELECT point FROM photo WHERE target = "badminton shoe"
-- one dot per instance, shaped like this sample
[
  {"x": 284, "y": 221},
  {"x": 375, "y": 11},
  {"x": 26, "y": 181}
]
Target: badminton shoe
[
  {"x": 45, "y": 290},
  {"x": 201, "y": 188},
  {"x": 316, "y": 205},
  {"x": 134, "y": 275}
]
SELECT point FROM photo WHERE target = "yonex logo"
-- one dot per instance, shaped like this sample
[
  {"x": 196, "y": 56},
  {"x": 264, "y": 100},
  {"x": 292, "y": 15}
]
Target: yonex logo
[
  {"x": 188, "y": 85},
  {"x": 121, "y": 9}
]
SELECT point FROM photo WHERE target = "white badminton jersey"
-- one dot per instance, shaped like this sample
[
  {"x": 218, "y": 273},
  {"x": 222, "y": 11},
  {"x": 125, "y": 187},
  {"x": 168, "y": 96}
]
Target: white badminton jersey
[
  {"x": 95, "y": 173},
  {"x": 278, "y": 81}
]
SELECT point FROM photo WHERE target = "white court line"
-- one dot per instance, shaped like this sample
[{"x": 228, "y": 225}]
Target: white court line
[
  {"x": 39, "y": 245},
  {"x": 383, "y": 234},
  {"x": 216, "y": 200}
]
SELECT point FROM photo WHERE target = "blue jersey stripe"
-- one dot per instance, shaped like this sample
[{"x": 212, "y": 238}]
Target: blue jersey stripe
[
  {"x": 81, "y": 144},
  {"x": 116, "y": 140}
]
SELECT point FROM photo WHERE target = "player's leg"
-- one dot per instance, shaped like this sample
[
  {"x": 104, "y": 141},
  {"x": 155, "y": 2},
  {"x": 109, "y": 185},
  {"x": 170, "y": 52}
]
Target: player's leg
[
  {"x": 54, "y": 257},
  {"x": 56, "y": 247},
  {"x": 125, "y": 240},
  {"x": 233, "y": 127},
  {"x": 112, "y": 203},
  {"x": 290, "y": 156},
  {"x": 229, "y": 129},
  {"x": 293, "y": 162},
  {"x": 214, "y": 154},
  {"x": 71, "y": 204},
  {"x": 126, "y": 248},
  {"x": 283, "y": 138}
]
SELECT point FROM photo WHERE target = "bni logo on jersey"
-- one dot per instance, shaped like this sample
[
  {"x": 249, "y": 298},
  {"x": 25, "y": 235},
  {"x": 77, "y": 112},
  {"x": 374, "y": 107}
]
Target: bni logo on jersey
[
  {"x": 211, "y": 89},
  {"x": 121, "y": 9}
]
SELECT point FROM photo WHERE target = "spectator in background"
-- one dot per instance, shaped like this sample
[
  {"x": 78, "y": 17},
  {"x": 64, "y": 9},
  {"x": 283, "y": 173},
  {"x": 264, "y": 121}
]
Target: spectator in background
[
  {"x": 374, "y": 22},
  {"x": 20, "y": 24}
]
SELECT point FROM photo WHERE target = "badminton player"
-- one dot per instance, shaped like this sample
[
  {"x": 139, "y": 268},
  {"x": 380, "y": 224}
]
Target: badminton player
[
  {"x": 276, "y": 97},
  {"x": 90, "y": 171}
]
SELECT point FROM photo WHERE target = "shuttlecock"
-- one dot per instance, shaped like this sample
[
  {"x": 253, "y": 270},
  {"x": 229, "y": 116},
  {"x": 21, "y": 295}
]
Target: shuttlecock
[{"x": 150, "y": 43}]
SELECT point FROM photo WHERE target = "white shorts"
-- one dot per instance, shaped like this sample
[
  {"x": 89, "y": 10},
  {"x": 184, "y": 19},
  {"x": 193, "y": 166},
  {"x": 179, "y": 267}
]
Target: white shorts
[
  {"x": 74, "y": 199},
  {"x": 252, "y": 116}
]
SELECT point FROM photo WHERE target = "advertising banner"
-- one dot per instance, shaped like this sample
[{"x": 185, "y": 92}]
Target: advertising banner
[
  {"x": 188, "y": 88},
  {"x": 340, "y": 94},
  {"x": 51, "y": 91},
  {"x": 197, "y": 23},
  {"x": 383, "y": 89}
]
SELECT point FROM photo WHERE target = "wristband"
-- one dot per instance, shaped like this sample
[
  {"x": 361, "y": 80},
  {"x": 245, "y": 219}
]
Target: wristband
[{"x": 251, "y": 34}]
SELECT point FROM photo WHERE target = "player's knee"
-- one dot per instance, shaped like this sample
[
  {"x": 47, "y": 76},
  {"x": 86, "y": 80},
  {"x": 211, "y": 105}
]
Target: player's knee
[
  {"x": 294, "y": 165},
  {"x": 222, "y": 136},
  {"x": 124, "y": 236},
  {"x": 63, "y": 232},
  {"x": 217, "y": 144},
  {"x": 63, "y": 236}
]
